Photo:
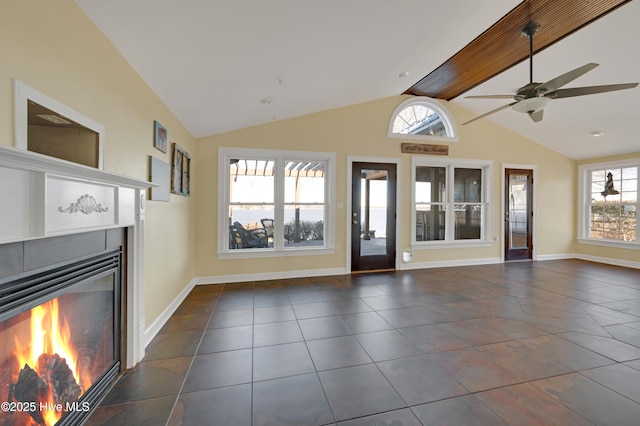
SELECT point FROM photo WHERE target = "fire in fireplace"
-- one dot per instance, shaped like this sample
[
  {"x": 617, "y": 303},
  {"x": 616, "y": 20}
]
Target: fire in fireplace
[{"x": 59, "y": 340}]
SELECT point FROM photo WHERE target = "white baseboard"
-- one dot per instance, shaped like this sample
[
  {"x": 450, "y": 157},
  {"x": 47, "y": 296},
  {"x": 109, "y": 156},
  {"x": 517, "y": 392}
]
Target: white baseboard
[
  {"x": 598, "y": 259},
  {"x": 609, "y": 261},
  {"x": 154, "y": 328},
  {"x": 280, "y": 275},
  {"x": 561, "y": 256},
  {"x": 449, "y": 263}
]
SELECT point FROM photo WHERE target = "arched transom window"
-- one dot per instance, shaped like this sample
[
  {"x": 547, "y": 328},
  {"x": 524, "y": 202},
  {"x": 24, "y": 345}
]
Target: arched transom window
[{"x": 423, "y": 118}]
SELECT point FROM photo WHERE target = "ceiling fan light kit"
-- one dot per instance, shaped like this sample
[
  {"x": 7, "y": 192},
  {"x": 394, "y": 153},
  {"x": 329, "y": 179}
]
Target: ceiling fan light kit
[
  {"x": 534, "y": 97},
  {"x": 531, "y": 105}
]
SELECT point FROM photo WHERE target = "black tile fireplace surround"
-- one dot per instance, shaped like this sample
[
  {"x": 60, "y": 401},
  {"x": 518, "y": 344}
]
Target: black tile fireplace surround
[{"x": 83, "y": 275}]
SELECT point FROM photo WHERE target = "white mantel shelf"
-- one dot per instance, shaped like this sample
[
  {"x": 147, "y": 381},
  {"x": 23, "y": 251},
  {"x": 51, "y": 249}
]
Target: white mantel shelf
[
  {"x": 42, "y": 196},
  {"x": 27, "y": 160}
]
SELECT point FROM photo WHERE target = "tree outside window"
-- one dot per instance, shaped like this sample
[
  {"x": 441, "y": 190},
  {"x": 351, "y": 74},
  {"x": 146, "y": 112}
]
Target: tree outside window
[{"x": 613, "y": 215}]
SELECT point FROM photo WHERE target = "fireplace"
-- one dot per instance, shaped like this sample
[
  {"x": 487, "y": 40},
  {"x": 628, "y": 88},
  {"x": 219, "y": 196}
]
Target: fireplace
[
  {"x": 71, "y": 286},
  {"x": 61, "y": 331}
]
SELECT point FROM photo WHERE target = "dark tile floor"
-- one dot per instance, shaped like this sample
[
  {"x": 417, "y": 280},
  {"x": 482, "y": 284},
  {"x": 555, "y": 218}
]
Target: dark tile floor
[{"x": 554, "y": 343}]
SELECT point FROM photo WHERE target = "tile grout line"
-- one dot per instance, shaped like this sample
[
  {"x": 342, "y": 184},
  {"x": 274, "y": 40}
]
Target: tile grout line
[{"x": 195, "y": 353}]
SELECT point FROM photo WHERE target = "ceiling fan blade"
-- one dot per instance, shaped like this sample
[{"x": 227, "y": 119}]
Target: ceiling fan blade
[
  {"x": 536, "y": 116},
  {"x": 556, "y": 83},
  {"x": 490, "y": 112},
  {"x": 589, "y": 90},
  {"x": 489, "y": 97}
]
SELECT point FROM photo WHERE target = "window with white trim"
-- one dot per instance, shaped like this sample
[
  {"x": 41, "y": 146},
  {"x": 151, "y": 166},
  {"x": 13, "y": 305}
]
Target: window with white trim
[
  {"x": 274, "y": 202},
  {"x": 423, "y": 118},
  {"x": 451, "y": 201},
  {"x": 609, "y": 203}
]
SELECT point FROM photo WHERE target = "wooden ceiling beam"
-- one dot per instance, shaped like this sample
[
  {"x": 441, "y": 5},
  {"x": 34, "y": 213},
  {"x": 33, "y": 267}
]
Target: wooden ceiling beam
[{"x": 503, "y": 45}]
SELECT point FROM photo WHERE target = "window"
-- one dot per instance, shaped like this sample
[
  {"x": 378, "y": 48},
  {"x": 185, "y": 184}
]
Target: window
[
  {"x": 424, "y": 119},
  {"x": 275, "y": 202},
  {"x": 451, "y": 202},
  {"x": 609, "y": 203}
]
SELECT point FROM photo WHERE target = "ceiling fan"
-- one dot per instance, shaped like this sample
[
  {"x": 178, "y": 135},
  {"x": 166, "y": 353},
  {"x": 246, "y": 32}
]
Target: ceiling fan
[{"x": 533, "y": 97}]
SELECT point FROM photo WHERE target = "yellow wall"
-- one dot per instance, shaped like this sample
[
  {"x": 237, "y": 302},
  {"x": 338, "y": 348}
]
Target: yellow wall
[
  {"x": 53, "y": 47},
  {"x": 361, "y": 130}
]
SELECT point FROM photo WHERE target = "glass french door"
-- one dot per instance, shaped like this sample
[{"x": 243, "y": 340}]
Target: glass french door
[
  {"x": 373, "y": 216},
  {"x": 518, "y": 214}
]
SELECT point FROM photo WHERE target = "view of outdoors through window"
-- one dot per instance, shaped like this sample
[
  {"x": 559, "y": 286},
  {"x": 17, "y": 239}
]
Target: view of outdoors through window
[
  {"x": 433, "y": 202},
  {"x": 614, "y": 203},
  {"x": 419, "y": 119},
  {"x": 430, "y": 196},
  {"x": 468, "y": 206},
  {"x": 304, "y": 205},
  {"x": 377, "y": 203},
  {"x": 256, "y": 202},
  {"x": 517, "y": 210},
  {"x": 374, "y": 198}
]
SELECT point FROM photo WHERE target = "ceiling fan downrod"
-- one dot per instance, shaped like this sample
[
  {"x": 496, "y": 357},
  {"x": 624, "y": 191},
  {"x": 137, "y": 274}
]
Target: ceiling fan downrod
[{"x": 529, "y": 31}]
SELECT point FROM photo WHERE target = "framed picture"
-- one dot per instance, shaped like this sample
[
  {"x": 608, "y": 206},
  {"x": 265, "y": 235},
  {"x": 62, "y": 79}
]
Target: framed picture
[
  {"x": 159, "y": 174},
  {"x": 160, "y": 137},
  {"x": 180, "y": 171}
]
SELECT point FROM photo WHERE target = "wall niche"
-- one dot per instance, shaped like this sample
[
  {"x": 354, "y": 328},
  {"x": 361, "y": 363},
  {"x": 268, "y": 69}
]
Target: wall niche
[{"x": 46, "y": 126}]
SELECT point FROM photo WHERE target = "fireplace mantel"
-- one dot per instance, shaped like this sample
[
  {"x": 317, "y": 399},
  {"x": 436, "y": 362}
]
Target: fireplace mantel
[{"x": 42, "y": 196}]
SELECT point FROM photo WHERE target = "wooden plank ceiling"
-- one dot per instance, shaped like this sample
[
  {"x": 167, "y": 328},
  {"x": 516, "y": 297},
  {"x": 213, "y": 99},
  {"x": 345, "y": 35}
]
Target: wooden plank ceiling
[{"x": 503, "y": 45}]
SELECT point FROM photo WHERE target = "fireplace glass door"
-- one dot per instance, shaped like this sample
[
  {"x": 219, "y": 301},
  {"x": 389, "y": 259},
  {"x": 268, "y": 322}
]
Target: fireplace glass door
[{"x": 53, "y": 354}]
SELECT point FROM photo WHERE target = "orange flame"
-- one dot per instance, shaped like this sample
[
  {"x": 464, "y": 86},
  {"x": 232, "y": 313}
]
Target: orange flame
[
  {"x": 50, "y": 416},
  {"x": 50, "y": 334}
]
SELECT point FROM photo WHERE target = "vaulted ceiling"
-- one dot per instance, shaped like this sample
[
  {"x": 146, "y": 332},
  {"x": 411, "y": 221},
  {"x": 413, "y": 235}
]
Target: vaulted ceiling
[{"x": 221, "y": 66}]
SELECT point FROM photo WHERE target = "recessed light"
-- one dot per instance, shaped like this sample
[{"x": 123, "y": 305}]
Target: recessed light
[
  {"x": 403, "y": 74},
  {"x": 597, "y": 133}
]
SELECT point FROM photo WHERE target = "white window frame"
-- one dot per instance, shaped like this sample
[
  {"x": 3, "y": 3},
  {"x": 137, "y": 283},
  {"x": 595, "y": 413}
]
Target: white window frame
[
  {"x": 434, "y": 105},
  {"x": 22, "y": 94},
  {"x": 487, "y": 202},
  {"x": 584, "y": 204},
  {"x": 225, "y": 154}
]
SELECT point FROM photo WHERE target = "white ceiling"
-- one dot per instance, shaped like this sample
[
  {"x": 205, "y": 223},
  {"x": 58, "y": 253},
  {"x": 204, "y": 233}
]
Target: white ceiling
[{"x": 215, "y": 63}]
